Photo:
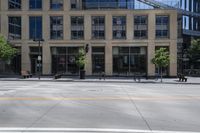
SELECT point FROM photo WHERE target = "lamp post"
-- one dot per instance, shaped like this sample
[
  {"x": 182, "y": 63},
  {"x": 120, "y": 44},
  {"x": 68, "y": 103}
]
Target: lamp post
[{"x": 39, "y": 54}]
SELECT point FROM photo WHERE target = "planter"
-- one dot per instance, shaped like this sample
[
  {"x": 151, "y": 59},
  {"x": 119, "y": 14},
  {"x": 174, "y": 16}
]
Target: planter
[{"x": 82, "y": 74}]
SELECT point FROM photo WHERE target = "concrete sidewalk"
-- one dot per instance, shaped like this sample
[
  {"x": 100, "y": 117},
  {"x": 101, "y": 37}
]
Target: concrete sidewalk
[{"x": 191, "y": 80}]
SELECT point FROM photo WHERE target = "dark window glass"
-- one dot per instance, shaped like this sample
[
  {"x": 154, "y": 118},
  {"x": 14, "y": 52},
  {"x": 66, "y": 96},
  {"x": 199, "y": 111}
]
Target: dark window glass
[
  {"x": 35, "y": 27},
  {"x": 56, "y": 4},
  {"x": 77, "y": 27},
  {"x": 129, "y": 61},
  {"x": 98, "y": 60},
  {"x": 140, "y": 27},
  {"x": 35, "y": 4},
  {"x": 14, "y": 26},
  {"x": 56, "y": 24},
  {"x": 98, "y": 27},
  {"x": 14, "y": 4},
  {"x": 162, "y": 26},
  {"x": 73, "y": 4},
  {"x": 119, "y": 27},
  {"x": 64, "y": 60}
]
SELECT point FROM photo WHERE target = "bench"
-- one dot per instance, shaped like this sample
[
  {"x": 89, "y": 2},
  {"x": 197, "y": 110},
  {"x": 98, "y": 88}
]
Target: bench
[
  {"x": 26, "y": 74},
  {"x": 58, "y": 76},
  {"x": 182, "y": 78}
]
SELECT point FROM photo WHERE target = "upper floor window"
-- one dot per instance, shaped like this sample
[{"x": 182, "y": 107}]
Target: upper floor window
[
  {"x": 35, "y": 4},
  {"x": 56, "y": 4},
  {"x": 119, "y": 27},
  {"x": 140, "y": 26},
  {"x": 98, "y": 27},
  {"x": 35, "y": 27},
  {"x": 73, "y": 4},
  {"x": 162, "y": 26},
  {"x": 56, "y": 24},
  {"x": 77, "y": 27},
  {"x": 14, "y": 4},
  {"x": 14, "y": 28}
]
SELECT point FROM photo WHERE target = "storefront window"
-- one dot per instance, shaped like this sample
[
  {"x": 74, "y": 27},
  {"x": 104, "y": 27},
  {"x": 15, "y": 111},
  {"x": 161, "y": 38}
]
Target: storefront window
[
  {"x": 129, "y": 60},
  {"x": 98, "y": 60},
  {"x": 64, "y": 60}
]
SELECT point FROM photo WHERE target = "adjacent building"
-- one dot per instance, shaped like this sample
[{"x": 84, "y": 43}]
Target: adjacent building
[{"x": 122, "y": 41}]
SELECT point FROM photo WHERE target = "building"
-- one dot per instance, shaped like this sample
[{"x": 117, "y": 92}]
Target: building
[{"x": 121, "y": 41}]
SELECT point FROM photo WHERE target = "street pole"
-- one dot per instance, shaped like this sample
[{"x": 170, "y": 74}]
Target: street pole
[
  {"x": 39, "y": 56},
  {"x": 39, "y": 60}
]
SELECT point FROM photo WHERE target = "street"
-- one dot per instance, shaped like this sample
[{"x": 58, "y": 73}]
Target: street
[{"x": 97, "y": 105}]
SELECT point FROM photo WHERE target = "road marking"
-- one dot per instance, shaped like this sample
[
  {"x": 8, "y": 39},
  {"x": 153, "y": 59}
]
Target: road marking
[
  {"x": 145, "y": 98},
  {"x": 42, "y": 130}
]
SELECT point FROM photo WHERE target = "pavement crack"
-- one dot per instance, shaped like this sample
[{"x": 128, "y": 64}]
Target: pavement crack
[{"x": 137, "y": 109}]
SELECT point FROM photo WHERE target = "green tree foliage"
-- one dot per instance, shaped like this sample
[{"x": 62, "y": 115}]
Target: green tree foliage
[
  {"x": 81, "y": 58},
  {"x": 161, "y": 59},
  {"x": 194, "y": 51},
  {"x": 6, "y": 50}
]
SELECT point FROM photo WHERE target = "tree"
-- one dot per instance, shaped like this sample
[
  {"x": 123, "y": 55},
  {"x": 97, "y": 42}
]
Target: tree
[
  {"x": 161, "y": 59},
  {"x": 6, "y": 50},
  {"x": 80, "y": 61},
  {"x": 194, "y": 52}
]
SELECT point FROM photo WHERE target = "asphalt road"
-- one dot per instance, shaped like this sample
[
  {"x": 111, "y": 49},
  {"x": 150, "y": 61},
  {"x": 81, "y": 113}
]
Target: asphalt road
[{"x": 99, "y": 106}]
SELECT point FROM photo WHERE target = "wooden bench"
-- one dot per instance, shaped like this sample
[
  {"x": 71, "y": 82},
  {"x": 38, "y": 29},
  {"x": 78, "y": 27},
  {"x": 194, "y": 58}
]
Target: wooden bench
[
  {"x": 182, "y": 78},
  {"x": 26, "y": 74}
]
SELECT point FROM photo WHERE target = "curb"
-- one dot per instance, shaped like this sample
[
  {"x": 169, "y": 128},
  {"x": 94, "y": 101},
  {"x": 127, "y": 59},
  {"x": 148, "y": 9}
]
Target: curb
[{"x": 104, "y": 81}]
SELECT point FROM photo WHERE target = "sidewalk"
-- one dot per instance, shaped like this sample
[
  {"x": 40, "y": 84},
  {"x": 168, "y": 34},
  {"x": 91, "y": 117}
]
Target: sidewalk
[{"x": 191, "y": 80}]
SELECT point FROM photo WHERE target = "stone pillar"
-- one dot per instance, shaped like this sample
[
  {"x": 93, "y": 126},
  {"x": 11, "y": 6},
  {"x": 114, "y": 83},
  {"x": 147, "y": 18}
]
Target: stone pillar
[
  {"x": 173, "y": 45},
  {"x": 46, "y": 59},
  {"x": 87, "y": 27},
  {"x": 4, "y": 25},
  {"x": 25, "y": 29},
  {"x": 67, "y": 27},
  {"x": 151, "y": 44},
  {"x": 25, "y": 5},
  {"x": 130, "y": 27},
  {"x": 108, "y": 60},
  {"x": 150, "y": 56},
  {"x": 108, "y": 25},
  {"x": 88, "y": 66},
  {"x": 173, "y": 59},
  {"x": 46, "y": 5},
  {"x": 4, "y": 5},
  {"x": 26, "y": 64}
]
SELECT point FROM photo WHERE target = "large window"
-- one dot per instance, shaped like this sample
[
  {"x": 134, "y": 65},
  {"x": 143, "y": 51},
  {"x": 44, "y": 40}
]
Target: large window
[
  {"x": 98, "y": 60},
  {"x": 77, "y": 27},
  {"x": 56, "y": 27},
  {"x": 14, "y": 25},
  {"x": 129, "y": 61},
  {"x": 98, "y": 27},
  {"x": 64, "y": 60},
  {"x": 35, "y": 4},
  {"x": 119, "y": 27},
  {"x": 35, "y": 27},
  {"x": 56, "y": 4},
  {"x": 162, "y": 26},
  {"x": 140, "y": 27},
  {"x": 14, "y": 4}
]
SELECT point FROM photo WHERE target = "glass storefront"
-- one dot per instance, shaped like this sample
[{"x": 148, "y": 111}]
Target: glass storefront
[
  {"x": 98, "y": 60},
  {"x": 64, "y": 60},
  {"x": 129, "y": 60}
]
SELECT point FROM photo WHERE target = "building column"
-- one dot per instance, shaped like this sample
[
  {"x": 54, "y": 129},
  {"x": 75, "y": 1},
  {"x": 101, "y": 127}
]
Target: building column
[
  {"x": 151, "y": 44},
  {"x": 4, "y": 25},
  {"x": 150, "y": 56},
  {"x": 173, "y": 59},
  {"x": 130, "y": 27},
  {"x": 108, "y": 60},
  {"x": 88, "y": 66},
  {"x": 25, "y": 58},
  {"x": 46, "y": 59}
]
